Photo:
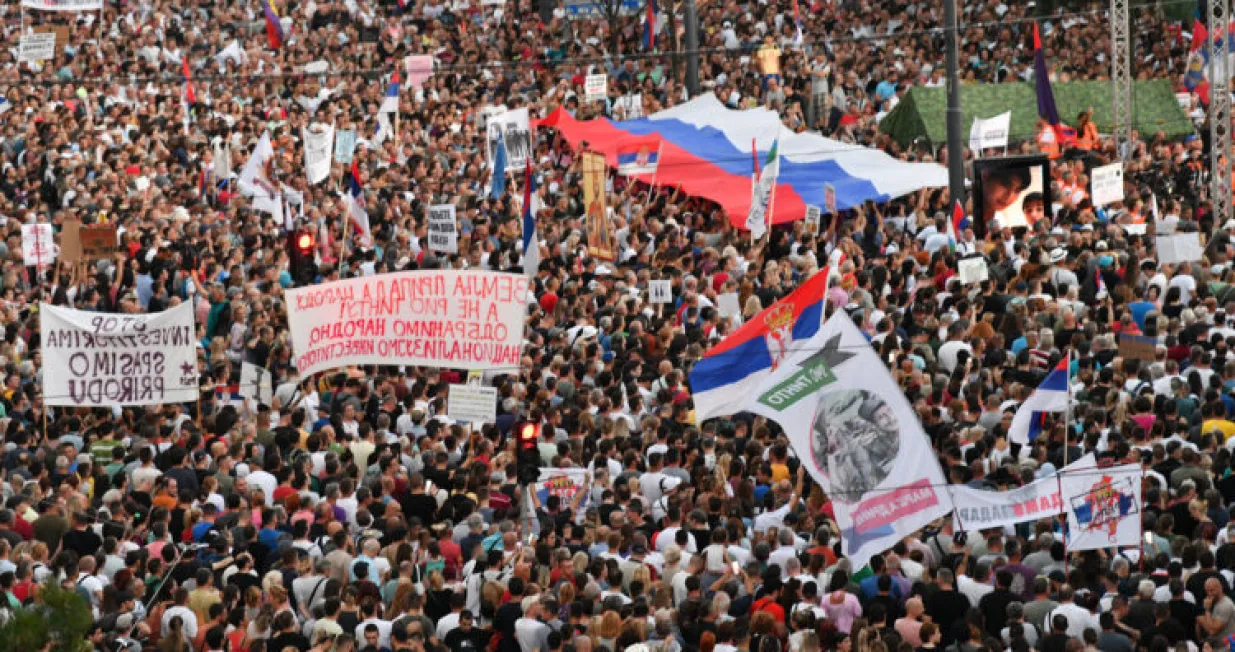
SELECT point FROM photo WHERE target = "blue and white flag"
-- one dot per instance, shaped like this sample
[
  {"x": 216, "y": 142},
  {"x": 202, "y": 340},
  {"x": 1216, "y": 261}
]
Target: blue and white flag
[{"x": 1051, "y": 396}]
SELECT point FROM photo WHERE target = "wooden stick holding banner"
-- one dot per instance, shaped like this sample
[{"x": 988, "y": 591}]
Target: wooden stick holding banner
[{"x": 652, "y": 188}]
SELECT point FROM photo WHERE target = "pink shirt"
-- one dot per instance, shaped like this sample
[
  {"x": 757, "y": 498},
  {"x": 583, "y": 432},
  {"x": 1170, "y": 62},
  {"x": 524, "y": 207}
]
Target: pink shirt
[{"x": 843, "y": 612}]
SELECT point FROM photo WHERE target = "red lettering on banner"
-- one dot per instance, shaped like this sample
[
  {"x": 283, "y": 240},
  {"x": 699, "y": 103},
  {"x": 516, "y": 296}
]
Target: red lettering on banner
[{"x": 890, "y": 507}]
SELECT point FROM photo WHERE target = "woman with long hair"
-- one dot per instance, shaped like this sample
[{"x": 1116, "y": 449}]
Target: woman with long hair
[{"x": 175, "y": 640}]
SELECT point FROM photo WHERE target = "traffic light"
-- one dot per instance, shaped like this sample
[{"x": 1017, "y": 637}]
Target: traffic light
[
  {"x": 527, "y": 458},
  {"x": 302, "y": 245}
]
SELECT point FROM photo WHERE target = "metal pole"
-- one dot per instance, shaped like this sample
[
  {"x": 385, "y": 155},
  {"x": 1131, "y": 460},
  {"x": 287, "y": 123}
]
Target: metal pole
[
  {"x": 692, "y": 48},
  {"x": 1121, "y": 77},
  {"x": 956, "y": 153},
  {"x": 1219, "y": 113}
]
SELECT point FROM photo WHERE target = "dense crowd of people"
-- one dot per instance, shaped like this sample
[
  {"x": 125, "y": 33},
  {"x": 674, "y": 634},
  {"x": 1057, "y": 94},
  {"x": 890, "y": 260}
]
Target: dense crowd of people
[{"x": 351, "y": 514}]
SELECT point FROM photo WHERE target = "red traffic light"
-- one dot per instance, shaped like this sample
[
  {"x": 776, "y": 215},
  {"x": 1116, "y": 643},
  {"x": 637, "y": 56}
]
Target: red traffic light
[
  {"x": 527, "y": 434},
  {"x": 304, "y": 242}
]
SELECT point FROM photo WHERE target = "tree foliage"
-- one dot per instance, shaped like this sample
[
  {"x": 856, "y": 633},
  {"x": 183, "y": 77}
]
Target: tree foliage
[{"x": 60, "y": 618}]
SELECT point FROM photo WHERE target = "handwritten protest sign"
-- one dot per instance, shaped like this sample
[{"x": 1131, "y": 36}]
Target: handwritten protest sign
[
  {"x": 98, "y": 240},
  {"x": 344, "y": 146},
  {"x": 63, "y": 5},
  {"x": 443, "y": 229},
  {"x": 38, "y": 249},
  {"x": 105, "y": 360},
  {"x": 594, "y": 87},
  {"x": 472, "y": 404},
  {"x": 462, "y": 319},
  {"x": 37, "y": 47},
  {"x": 1107, "y": 184}
]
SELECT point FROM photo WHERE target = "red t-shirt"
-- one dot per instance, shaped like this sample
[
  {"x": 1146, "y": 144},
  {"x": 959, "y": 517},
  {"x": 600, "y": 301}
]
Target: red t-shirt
[{"x": 769, "y": 605}]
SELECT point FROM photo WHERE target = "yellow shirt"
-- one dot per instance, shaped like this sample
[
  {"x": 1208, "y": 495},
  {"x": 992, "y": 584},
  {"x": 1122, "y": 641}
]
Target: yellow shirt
[
  {"x": 1227, "y": 427},
  {"x": 780, "y": 472},
  {"x": 769, "y": 59}
]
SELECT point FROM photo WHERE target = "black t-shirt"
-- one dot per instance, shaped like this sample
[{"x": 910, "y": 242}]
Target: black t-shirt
[
  {"x": 420, "y": 506},
  {"x": 473, "y": 640},
  {"x": 288, "y": 639},
  {"x": 83, "y": 542}
]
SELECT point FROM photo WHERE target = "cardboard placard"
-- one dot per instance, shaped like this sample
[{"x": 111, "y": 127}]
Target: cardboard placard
[
  {"x": 37, "y": 47},
  {"x": 472, "y": 404},
  {"x": 70, "y": 241},
  {"x": 1179, "y": 248},
  {"x": 972, "y": 270},
  {"x": 98, "y": 240},
  {"x": 1107, "y": 184},
  {"x": 813, "y": 213},
  {"x": 829, "y": 198},
  {"x": 727, "y": 305},
  {"x": 595, "y": 87},
  {"x": 1139, "y": 347}
]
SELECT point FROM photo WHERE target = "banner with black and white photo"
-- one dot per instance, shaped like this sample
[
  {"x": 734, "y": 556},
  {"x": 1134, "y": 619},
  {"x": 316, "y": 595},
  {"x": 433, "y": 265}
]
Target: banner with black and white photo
[
  {"x": 515, "y": 127},
  {"x": 118, "y": 359},
  {"x": 318, "y": 152},
  {"x": 443, "y": 229}
]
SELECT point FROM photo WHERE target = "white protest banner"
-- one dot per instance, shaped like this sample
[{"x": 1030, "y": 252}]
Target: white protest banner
[
  {"x": 515, "y": 127},
  {"x": 858, "y": 437},
  {"x": 1107, "y": 184},
  {"x": 460, "y": 319},
  {"x": 991, "y": 133},
  {"x": 443, "y": 229},
  {"x": 829, "y": 199},
  {"x": 628, "y": 107},
  {"x": 63, "y": 5},
  {"x": 595, "y": 87},
  {"x": 565, "y": 484},
  {"x": 256, "y": 383},
  {"x": 1134, "y": 229},
  {"x": 813, "y": 213},
  {"x": 972, "y": 270},
  {"x": 38, "y": 247},
  {"x": 1103, "y": 506},
  {"x": 1178, "y": 248},
  {"x": 472, "y": 403},
  {"x": 344, "y": 146},
  {"x": 660, "y": 291},
  {"x": 977, "y": 509},
  {"x": 419, "y": 69},
  {"x": 37, "y": 47},
  {"x": 318, "y": 143},
  {"x": 110, "y": 359}
]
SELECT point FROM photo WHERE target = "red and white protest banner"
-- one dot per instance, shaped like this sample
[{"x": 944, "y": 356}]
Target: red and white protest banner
[
  {"x": 459, "y": 319},
  {"x": 976, "y": 509}
]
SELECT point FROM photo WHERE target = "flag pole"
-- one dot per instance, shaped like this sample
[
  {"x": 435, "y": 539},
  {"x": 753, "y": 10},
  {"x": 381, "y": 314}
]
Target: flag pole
[
  {"x": 660, "y": 148},
  {"x": 767, "y": 217}
]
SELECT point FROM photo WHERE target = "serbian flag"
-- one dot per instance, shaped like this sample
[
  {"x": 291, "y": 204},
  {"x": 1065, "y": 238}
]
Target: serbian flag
[
  {"x": 649, "y": 27},
  {"x": 798, "y": 36},
  {"x": 638, "y": 155},
  {"x": 957, "y": 225},
  {"x": 1200, "y": 36},
  {"x": 1064, "y": 135},
  {"x": 390, "y": 104},
  {"x": 353, "y": 180},
  {"x": 531, "y": 244},
  {"x": 1051, "y": 396},
  {"x": 189, "y": 95},
  {"x": 729, "y": 373},
  {"x": 274, "y": 26}
]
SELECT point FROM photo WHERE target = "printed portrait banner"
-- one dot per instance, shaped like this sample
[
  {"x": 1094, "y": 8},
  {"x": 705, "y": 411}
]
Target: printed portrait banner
[
  {"x": 600, "y": 238},
  {"x": 443, "y": 229},
  {"x": 318, "y": 146},
  {"x": 344, "y": 146},
  {"x": 63, "y": 5},
  {"x": 856, "y": 435},
  {"x": 459, "y": 319},
  {"x": 1103, "y": 506},
  {"x": 515, "y": 127},
  {"x": 38, "y": 246},
  {"x": 111, "y": 359},
  {"x": 975, "y": 509}
]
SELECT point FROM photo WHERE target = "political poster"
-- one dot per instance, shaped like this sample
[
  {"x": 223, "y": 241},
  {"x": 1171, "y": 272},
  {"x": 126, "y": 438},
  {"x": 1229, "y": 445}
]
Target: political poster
[
  {"x": 829, "y": 199},
  {"x": 318, "y": 145},
  {"x": 594, "y": 8},
  {"x": 1106, "y": 184},
  {"x": 113, "y": 359},
  {"x": 344, "y": 146},
  {"x": 595, "y": 87},
  {"x": 256, "y": 383},
  {"x": 728, "y": 306},
  {"x": 1103, "y": 506},
  {"x": 857, "y": 436},
  {"x": 600, "y": 237},
  {"x": 977, "y": 509},
  {"x": 63, "y": 5},
  {"x": 472, "y": 403},
  {"x": 461, "y": 319},
  {"x": 813, "y": 215},
  {"x": 565, "y": 483},
  {"x": 515, "y": 129},
  {"x": 38, "y": 246},
  {"x": 37, "y": 47},
  {"x": 972, "y": 270},
  {"x": 443, "y": 229},
  {"x": 1178, "y": 248},
  {"x": 1139, "y": 347},
  {"x": 991, "y": 133}
]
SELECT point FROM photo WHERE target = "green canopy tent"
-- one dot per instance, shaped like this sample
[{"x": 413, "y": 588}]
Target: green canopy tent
[{"x": 922, "y": 112}]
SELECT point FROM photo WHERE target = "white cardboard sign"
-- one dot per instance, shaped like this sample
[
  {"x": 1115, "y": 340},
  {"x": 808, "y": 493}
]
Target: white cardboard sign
[
  {"x": 660, "y": 291},
  {"x": 472, "y": 404},
  {"x": 443, "y": 229},
  {"x": 595, "y": 87},
  {"x": 1108, "y": 184}
]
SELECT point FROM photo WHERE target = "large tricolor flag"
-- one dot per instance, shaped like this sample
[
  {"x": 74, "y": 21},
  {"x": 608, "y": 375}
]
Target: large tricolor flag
[
  {"x": 639, "y": 155},
  {"x": 1064, "y": 134},
  {"x": 1051, "y": 396},
  {"x": 531, "y": 244},
  {"x": 728, "y": 374},
  {"x": 390, "y": 103},
  {"x": 274, "y": 26}
]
